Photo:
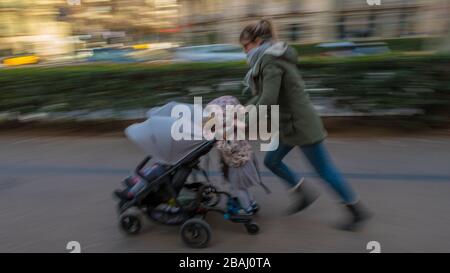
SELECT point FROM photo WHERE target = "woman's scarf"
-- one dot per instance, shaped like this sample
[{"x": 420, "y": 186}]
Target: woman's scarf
[{"x": 253, "y": 58}]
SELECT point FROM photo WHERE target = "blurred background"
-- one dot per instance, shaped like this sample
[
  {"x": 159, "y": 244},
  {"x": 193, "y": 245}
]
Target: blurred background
[
  {"x": 77, "y": 29},
  {"x": 356, "y": 58},
  {"x": 99, "y": 65}
]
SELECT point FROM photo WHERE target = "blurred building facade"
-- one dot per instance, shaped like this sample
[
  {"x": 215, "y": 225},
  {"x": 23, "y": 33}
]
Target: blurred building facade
[
  {"x": 52, "y": 27},
  {"x": 306, "y": 21},
  {"x": 31, "y": 26}
]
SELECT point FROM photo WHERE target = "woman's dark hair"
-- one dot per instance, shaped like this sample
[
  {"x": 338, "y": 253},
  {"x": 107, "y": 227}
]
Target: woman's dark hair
[{"x": 263, "y": 29}]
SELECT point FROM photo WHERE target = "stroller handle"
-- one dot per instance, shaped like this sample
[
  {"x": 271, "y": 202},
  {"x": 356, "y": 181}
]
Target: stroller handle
[
  {"x": 147, "y": 159},
  {"x": 141, "y": 165}
]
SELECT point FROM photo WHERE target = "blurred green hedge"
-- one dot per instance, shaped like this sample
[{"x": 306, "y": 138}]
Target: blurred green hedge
[{"x": 360, "y": 83}]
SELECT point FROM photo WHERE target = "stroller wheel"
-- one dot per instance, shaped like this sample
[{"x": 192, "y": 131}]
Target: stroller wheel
[
  {"x": 195, "y": 233},
  {"x": 252, "y": 228},
  {"x": 130, "y": 223}
]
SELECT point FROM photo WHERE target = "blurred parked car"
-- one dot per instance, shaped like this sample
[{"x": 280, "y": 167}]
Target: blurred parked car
[
  {"x": 345, "y": 49},
  {"x": 210, "y": 53},
  {"x": 371, "y": 48},
  {"x": 131, "y": 54},
  {"x": 21, "y": 60},
  {"x": 120, "y": 55},
  {"x": 84, "y": 54},
  {"x": 152, "y": 55}
]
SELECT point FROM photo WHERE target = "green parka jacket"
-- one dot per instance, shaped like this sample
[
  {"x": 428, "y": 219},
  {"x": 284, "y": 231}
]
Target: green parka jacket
[{"x": 278, "y": 82}]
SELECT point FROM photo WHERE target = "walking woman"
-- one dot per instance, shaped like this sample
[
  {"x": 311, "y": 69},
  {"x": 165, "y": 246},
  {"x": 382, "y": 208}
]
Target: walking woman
[{"x": 275, "y": 80}]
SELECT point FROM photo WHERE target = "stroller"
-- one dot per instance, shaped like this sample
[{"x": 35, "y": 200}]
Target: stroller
[{"x": 168, "y": 198}]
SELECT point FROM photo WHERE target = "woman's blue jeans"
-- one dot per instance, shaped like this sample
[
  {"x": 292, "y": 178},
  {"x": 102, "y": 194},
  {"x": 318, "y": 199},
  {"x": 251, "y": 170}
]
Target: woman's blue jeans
[{"x": 319, "y": 158}]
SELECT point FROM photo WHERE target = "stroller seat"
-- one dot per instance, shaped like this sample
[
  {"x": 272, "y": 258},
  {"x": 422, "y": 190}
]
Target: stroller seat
[{"x": 150, "y": 174}]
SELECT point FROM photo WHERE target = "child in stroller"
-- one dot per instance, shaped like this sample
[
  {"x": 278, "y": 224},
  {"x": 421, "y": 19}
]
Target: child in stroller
[
  {"x": 237, "y": 160},
  {"x": 163, "y": 194}
]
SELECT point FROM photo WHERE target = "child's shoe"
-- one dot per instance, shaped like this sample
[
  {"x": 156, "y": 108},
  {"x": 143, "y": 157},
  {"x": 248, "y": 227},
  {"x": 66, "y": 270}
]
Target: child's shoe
[
  {"x": 243, "y": 213},
  {"x": 247, "y": 212},
  {"x": 254, "y": 207}
]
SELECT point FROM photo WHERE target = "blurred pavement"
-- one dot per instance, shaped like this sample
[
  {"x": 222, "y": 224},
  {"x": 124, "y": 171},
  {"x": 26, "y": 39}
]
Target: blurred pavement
[{"x": 58, "y": 189}]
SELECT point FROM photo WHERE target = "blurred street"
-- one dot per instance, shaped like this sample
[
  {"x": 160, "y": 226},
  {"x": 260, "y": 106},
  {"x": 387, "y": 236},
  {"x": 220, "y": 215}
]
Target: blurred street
[
  {"x": 78, "y": 72},
  {"x": 59, "y": 189}
]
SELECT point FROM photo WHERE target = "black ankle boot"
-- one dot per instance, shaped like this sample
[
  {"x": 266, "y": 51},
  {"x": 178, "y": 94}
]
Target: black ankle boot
[
  {"x": 358, "y": 216},
  {"x": 304, "y": 195}
]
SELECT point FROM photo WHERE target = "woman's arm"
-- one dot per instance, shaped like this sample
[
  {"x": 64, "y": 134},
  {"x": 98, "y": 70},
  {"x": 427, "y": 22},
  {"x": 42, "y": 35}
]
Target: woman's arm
[
  {"x": 253, "y": 100},
  {"x": 271, "y": 85},
  {"x": 272, "y": 76}
]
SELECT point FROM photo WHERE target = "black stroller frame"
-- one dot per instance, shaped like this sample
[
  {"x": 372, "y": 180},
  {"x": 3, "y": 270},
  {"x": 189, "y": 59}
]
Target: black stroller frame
[{"x": 195, "y": 231}]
